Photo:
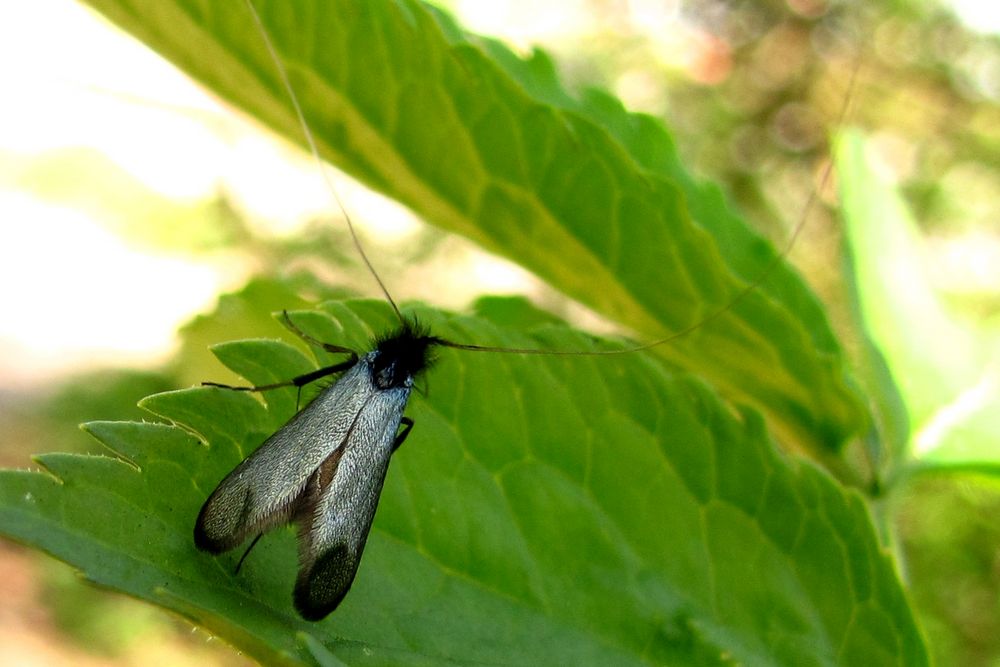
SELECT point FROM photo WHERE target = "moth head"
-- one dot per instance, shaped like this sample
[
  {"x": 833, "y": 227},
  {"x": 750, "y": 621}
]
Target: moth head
[{"x": 401, "y": 355}]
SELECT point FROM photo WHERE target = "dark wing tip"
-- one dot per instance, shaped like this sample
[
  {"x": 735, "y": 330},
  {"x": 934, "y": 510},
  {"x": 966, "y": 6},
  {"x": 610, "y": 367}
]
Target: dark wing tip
[
  {"x": 321, "y": 587},
  {"x": 205, "y": 542}
]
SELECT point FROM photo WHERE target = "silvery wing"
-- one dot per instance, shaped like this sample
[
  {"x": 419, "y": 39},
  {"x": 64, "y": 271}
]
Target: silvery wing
[{"x": 340, "y": 500}]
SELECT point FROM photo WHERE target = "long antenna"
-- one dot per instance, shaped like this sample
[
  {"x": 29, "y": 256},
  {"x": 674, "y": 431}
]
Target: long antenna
[
  {"x": 743, "y": 293},
  {"x": 286, "y": 82}
]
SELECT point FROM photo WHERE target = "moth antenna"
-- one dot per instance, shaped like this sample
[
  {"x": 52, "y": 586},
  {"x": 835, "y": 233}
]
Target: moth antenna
[
  {"x": 742, "y": 294},
  {"x": 287, "y": 84}
]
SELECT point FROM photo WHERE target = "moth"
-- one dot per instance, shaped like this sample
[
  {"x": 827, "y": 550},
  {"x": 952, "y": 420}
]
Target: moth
[{"x": 324, "y": 469}]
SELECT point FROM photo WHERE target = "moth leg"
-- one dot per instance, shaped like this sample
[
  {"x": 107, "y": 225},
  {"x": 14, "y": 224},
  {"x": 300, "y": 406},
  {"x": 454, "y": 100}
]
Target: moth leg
[
  {"x": 329, "y": 347},
  {"x": 407, "y": 424},
  {"x": 304, "y": 379},
  {"x": 298, "y": 381},
  {"x": 247, "y": 552}
]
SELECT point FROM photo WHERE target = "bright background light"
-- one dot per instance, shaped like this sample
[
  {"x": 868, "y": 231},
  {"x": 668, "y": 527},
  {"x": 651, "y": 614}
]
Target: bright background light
[{"x": 79, "y": 295}]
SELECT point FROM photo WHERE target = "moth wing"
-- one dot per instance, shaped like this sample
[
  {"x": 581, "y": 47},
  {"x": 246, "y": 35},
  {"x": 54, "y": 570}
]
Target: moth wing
[
  {"x": 339, "y": 505},
  {"x": 266, "y": 489}
]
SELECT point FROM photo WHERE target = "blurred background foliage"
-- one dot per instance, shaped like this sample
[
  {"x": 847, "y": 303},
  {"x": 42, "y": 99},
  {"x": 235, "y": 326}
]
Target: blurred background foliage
[{"x": 752, "y": 91}]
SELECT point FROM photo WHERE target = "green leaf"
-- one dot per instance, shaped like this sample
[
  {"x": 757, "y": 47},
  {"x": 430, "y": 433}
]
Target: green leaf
[
  {"x": 545, "y": 510},
  {"x": 590, "y": 198},
  {"x": 947, "y": 371}
]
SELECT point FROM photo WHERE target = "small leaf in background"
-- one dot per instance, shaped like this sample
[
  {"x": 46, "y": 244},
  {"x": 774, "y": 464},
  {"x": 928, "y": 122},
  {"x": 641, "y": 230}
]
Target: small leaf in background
[{"x": 947, "y": 369}]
